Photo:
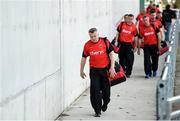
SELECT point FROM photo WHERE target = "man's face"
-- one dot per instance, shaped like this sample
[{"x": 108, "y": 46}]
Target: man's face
[
  {"x": 153, "y": 16},
  {"x": 126, "y": 18},
  {"x": 146, "y": 21},
  {"x": 154, "y": 6},
  {"x": 94, "y": 37},
  {"x": 151, "y": 4},
  {"x": 130, "y": 20}
]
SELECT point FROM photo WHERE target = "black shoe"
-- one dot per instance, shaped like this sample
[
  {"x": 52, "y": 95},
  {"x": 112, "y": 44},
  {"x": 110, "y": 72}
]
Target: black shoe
[
  {"x": 128, "y": 76},
  {"x": 104, "y": 108},
  {"x": 147, "y": 76},
  {"x": 155, "y": 74},
  {"x": 97, "y": 114}
]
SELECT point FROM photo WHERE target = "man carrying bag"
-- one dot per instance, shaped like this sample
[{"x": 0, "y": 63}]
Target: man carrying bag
[{"x": 95, "y": 48}]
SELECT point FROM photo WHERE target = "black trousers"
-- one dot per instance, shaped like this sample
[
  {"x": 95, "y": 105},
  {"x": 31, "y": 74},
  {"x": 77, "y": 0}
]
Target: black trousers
[
  {"x": 99, "y": 88},
  {"x": 126, "y": 57},
  {"x": 151, "y": 59}
]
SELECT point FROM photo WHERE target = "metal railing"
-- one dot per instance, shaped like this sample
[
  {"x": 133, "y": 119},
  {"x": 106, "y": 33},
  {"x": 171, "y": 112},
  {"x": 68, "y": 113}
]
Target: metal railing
[{"x": 165, "y": 86}]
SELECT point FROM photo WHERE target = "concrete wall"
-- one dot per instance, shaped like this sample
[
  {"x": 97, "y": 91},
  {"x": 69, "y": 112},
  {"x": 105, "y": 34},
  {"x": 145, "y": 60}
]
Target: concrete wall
[
  {"x": 121, "y": 7},
  {"x": 40, "y": 50},
  {"x": 30, "y": 59}
]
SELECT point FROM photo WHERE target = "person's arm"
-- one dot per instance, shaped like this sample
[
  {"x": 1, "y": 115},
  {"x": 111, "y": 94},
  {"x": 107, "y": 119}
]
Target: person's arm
[
  {"x": 160, "y": 29},
  {"x": 135, "y": 43},
  {"x": 161, "y": 33},
  {"x": 112, "y": 59},
  {"x": 139, "y": 46},
  {"x": 136, "y": 23},
  {"x": 137, "y": 20},
  {"x": 116, "y": 39},
  {"x": 135, "y": 39},
  {"x": 159, "y": 40},
  {"x": 139, "y": 41},
  {"x": 83, "y": 62}
]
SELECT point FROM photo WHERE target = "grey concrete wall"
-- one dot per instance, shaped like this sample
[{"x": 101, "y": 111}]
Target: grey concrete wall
[
  {"x": 40, "y": 49},
  {"x": 30, "y": 59}
]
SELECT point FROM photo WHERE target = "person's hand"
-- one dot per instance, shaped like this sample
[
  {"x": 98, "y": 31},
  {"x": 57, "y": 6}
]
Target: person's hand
[
  {"x": 83, "y": 75},
  {"x": 112, "y": 72},
  {"x": 135, "y": 49},
  {"x": 116, "y": 43},
  {"x": 159, "y": 47},
  {"x": 138, "y": 52}
]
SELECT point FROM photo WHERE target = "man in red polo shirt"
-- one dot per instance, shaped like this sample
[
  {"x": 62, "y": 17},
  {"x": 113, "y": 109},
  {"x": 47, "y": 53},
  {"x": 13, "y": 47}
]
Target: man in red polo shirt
[
  {"x": 156, "y": 22},
  {"x": 151, "y": 36},
  {"x": 99, "y": 55},
  {"x": 148, "y": 9},
  {"x": 159, "y": 16},
  {"x": 126, "y": 35},
  {"x": 139, "y": 19}
]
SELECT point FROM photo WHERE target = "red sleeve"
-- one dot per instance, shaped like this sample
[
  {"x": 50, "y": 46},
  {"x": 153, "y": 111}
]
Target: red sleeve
[
  {"x": 110, "y": 48},
  {"x": 137, "y": 18},
  {"x": 159, "y": 24},
  {"x": 85, "y": 51}
]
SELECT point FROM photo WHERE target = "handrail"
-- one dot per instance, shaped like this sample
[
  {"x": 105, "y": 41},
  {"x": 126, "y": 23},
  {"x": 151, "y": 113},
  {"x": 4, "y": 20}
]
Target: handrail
[{"x": 165, "y": 85}]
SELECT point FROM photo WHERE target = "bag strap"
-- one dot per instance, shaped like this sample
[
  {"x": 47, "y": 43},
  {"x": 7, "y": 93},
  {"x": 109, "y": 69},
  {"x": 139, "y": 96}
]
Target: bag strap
[
  {"x": 154, "y": 29},
  {"x": 107, "y": 50},
  {"x": 120, "y": 29}
]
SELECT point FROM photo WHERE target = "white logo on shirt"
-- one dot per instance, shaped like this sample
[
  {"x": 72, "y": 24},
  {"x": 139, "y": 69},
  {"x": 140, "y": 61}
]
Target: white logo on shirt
[
  {"x": 148, "y": 33},
  {"x": 126, "y": 31},
  {"x": 97, "y": 52}
]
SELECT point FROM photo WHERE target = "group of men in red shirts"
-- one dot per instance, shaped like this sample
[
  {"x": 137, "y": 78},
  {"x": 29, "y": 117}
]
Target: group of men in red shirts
[
  {"x": 150, "y": 35},
  {"x": 146, "y": 33}
]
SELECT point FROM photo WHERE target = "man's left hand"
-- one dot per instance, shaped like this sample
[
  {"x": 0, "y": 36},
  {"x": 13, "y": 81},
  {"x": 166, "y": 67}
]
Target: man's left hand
[{"x": 112, "y": 72}]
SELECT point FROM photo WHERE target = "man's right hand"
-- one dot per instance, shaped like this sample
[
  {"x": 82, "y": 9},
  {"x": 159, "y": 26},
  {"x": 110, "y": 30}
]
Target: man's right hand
[
  {"x": 138, "y": 52},
  {"x": 83, "y": 75}
]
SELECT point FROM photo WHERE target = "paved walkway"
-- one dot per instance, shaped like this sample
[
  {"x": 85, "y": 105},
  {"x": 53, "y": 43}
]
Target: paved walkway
[{"x": 133, "y": 99}]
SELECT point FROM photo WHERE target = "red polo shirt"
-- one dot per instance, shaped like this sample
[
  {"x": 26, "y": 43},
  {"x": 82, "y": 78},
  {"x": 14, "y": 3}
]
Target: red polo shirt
[
  {"x": 97, "y": 52},
  {"x": 149, "y": 34},
  {"x": 127, "y": 32}
]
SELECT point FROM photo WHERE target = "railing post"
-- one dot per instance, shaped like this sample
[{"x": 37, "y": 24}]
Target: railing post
[
  {"x": 162, "y": 96},
  {"x": 165, "y": 85}
]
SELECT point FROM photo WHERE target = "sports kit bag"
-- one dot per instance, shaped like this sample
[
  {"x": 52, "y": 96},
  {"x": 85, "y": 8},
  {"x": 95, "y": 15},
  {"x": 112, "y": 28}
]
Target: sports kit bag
[{"x": 120, "y": 75}]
